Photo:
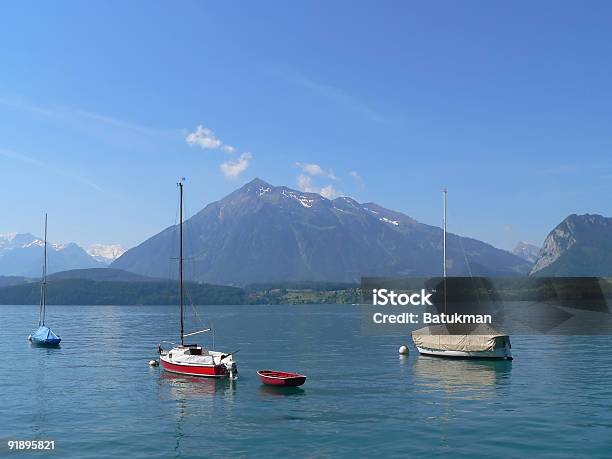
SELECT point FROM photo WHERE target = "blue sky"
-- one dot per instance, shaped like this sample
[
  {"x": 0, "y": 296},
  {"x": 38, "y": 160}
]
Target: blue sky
[{"x": 508, "y": 104}]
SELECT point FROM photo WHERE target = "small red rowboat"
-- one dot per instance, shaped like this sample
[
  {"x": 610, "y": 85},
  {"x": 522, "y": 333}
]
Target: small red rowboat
[{"x": 281, "y": 378}]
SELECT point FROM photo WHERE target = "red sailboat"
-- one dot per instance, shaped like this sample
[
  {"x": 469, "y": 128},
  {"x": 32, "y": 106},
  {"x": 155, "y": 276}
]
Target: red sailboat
[{"x": 193, "y": 359}]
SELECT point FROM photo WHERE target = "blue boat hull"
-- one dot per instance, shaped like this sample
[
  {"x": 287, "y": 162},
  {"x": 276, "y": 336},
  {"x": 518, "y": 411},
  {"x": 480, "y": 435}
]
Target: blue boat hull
[{"x": 44, "y": 336}]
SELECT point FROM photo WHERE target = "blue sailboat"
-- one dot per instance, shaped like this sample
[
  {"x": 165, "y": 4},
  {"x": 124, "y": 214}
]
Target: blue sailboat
[{"x": 44, "y": 336}]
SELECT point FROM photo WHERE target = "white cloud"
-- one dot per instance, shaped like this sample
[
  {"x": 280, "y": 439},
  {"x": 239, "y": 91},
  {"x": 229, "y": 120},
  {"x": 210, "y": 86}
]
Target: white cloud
[
  {"x": 304, "y": 183},
  {"x": 329, "y": 192},
  {"x": 204, "y": 138},
  {"x": 233, "y": 168},
  {"x": 315, "y": 169}
]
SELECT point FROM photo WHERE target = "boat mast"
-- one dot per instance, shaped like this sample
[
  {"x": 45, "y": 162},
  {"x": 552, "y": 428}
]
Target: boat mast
[
  {"x": 43, "y": 283},
  {"x": 444, "y": 191},
  {"x": 180, "y": 185}
]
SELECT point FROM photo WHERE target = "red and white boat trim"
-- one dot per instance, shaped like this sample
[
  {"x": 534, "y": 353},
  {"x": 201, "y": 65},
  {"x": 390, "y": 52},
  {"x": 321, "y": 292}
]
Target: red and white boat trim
[{"x": 194, "y": 360}]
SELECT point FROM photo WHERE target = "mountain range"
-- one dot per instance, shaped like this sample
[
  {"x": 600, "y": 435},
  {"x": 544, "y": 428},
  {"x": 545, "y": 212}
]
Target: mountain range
[
  {"x": 21, "y": 254},
  {"x": 265, "y": 233},
  {"x": 272, "y": 234}
]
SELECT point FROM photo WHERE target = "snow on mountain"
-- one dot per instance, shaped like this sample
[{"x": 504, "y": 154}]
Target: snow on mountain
[
  {"x": 387, "y": 220},
  {"x": 36, "y": 243},
  {"x": 10, "y": 241},
  {"x": 7, "y": 237},
  {"x": 21, "y": 254},
  {"x": 105, "y": 253}
]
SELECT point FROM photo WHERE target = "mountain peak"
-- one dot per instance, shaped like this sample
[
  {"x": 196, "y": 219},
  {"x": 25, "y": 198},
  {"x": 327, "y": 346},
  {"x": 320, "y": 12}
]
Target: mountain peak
[
  {"x": 106, "y": 253},
  {"x": 262, "y": 191},
  {"x": 587, "y": 220},
  {"x": 266, "y": 233},
  {"x": 578, "y": 246},
  {"x": 257, "y": 182},
  {"x": 526, "y": 251},
  {"x": 21, "y": 255},
  {"x": 9, "y": 241},
  {"x": 256, "y": 187}
]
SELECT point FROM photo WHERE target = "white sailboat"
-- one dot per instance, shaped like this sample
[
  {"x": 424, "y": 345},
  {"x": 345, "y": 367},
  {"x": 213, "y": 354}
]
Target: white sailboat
[
  {"x": 44, "y": 336},
  {"x": 483, "y": 341}
]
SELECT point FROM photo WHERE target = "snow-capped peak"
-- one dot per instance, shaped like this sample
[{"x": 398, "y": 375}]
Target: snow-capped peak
[
  {"x": 34, "y": 243},
  {"x": 7, "y": 237},
  {"x": 105, "y": 252},
  {"x": 40, "y": 243}
]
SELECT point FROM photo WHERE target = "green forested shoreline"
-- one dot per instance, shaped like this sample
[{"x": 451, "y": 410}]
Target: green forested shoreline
[
  {"x": 159, "y": 292},
  {"x": 90, "y": 292}
]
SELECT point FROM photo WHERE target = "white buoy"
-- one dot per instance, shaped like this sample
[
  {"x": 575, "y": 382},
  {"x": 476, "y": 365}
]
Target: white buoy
[
  {"x": 403, "y": 350},
  {"x": 152, "y": 363}
]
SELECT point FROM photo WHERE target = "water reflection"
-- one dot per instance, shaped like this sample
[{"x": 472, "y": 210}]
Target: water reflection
[
  {"x": 51, "y": 348},
  {"x": 460, "y": 378},
  {"x": 191, "y": 387},
  {"x": 276, "y": 391},
  {"x": 40, "y": 416},
  {"x": 45, "y": 346},
  {"x": 194, "y": 398}
]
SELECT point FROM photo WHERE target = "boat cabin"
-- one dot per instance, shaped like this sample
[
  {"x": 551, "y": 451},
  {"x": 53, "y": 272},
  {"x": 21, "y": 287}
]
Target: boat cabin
[
  {"x": 188, "y": 349},
  {"x": 193, "y": 349}
]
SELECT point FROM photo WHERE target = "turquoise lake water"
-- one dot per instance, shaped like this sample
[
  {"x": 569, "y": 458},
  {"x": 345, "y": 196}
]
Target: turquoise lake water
[{"x": 96, "y": 396}]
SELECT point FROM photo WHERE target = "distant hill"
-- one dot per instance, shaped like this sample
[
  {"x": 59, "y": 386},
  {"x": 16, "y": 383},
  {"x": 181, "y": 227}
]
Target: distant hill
[
  {"x": 102, "y": 275},
  {"x": 262, "y": 233},
  {"x": 526, "y": 251},
  {"x": 581, "y": 245},
  {"x": 303, "y": 285},
  {"x": 108, "y": 286},
  {"x": 7, "y": 281},
  {"x": 22, "y": 255},
  {"x": 89, "y": 292},
  {"x": 71, "y": 291}
]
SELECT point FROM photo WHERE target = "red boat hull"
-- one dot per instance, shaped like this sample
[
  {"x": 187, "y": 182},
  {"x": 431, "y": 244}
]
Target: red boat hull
[
  {"x": 281, "y": 378},
  {"x": 210, "y": 371}
]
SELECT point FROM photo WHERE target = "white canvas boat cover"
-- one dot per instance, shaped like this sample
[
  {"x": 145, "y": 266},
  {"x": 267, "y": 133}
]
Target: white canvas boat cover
[
  {"x": 477, "y": 338},
  {"x": 194, "y": 359}
]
